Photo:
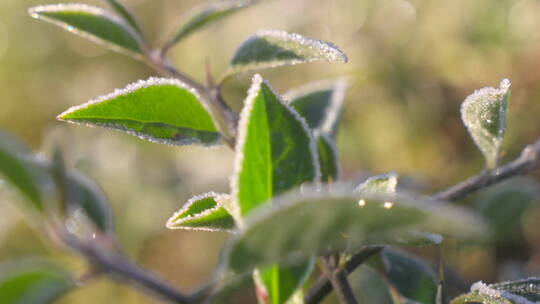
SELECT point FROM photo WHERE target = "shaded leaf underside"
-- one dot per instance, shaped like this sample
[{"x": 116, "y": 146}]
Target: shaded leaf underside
[
  {"x": 272, "y": 48},
  {"x": 208, "y": 13},
  {"x": 320, "y": 103},
  {"x": 16, "y": 171},
  {"x": 328, "y": 159}
]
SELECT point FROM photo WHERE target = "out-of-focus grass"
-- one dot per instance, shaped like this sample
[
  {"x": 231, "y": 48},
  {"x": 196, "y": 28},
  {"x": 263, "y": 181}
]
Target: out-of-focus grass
[{"x": 411, "y": 65}]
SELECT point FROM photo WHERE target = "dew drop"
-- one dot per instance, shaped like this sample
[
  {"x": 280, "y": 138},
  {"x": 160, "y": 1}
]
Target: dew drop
[{"x": 388, "y": 205}]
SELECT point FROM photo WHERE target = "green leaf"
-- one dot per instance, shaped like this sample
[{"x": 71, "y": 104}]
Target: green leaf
[
  {"x": 205, "y": 14},
  {"x": 32, "y": 283},
  {"x": 92, "y": 23},
  {"x": 484, "y": 115},
  {"x": 328, "y": 158},
  {"x": 274, "y": 153},
  {"x": 278, "y": 283},
  {"x": 411, "y": 277},
  {"x": 84, "y": 193},
  {"x": 296, "y": 226},
  {"x": 126, "y": 14},
  {"x": 158, "y": 109},
  {"x": 505, "y": 204},
  {"x": 272, "y": 48},
  {"x": 320, "y": 103},
  {"x": 16, "y": 170},
  {"x": 205, "y": 212}
]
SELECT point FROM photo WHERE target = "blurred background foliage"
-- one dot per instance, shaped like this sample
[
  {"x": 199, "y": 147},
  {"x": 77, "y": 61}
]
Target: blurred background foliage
[{"x": 412, "y": 62}]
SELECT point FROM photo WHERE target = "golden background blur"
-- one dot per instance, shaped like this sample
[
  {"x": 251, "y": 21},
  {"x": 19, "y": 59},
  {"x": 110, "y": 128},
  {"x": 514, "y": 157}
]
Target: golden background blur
[{"x": 412, "y": 63}]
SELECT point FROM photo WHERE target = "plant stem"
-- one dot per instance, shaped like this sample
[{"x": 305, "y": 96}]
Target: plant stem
[
  {"x": 119, "y": 265},
  {"x": 109, "y": 260},
  {"x": 323, "y": 287},
  {"x": 525, "y": 163},
  {"x": 338, "y": 280}
]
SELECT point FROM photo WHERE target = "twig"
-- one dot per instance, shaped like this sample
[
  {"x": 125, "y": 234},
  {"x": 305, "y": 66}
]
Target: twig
[
  {"x": 323, "y": 287},
  {"x": 231, "y": 117},
  {"x": 338, "y": 280},
  {"x": 109, "y": 260},
  {"x": 120, "y": 266},
  {"x": 525, "y": 163},
  {"x": 112, "y": 262}
]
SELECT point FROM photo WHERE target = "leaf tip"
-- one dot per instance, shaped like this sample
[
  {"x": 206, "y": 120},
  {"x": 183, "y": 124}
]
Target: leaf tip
[
  {"x": 33, "y": 12},
  {"x": 66, "y": 115},
  {"x": 505, "y": 84},
  {"x": 256, "y": 82},
  {"x": 62, "y": 116}
]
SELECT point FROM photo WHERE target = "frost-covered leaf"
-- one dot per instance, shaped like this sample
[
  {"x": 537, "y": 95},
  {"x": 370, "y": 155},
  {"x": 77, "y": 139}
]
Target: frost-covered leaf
[
  {"x": 479, "y": 298},
  {"x": 158, "y": 109},
  {"x": 275, "y": 151},
  {"x": 205, "y": 14},
  {"x": 278, "y": 283},
  {"x": 504, "y": 205},
  {"x": 128, "y": 16},
  {"x": 204, "y": 212},
  {"x": 93, "y": 23},
  {"x": 30, "y": 282},
  {"x": 272, "y": 48},
  {"x": 328, "y": 158},
  {"x": 484, "y": 115},
  {"x": 527, "y": 288},
  {"x": 385, "y": 183},
  {"x": 297, "y": 226},
  {"x": 411, "y": 277},
  {"x": 320, "y": 103},
  {"x": 84, "y": 194},
  {"x": 516, "y": 292},
  {"x": 15, "y": 169}
]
